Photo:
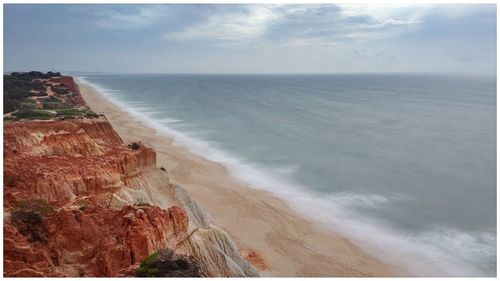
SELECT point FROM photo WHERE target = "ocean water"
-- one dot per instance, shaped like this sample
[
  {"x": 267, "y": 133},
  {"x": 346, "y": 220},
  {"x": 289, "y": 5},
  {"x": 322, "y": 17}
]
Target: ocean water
[{"x": 403, "y": 164}]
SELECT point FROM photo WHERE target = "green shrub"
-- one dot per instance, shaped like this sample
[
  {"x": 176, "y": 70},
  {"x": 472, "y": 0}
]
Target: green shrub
[
  {"x": 28, "y": 216},
  {"x": 10, "y": 105},
  {"x": 146, "y": 269},
  {"x": 60, "y": 89},
  {"x": 9, "y": 118},
  {"x": 38, "y": 85},
  {"x": 51, "y": 99},
  {"x": 33, "y": 114},
  {"x": 165, "y": 263},
  {"x": 17, "y": 86},
  {"x": 82, "y": 207},
  {"x": 52, "y": 105},
  {"x": 39, "y": 206},
  {"x": 133, "y": 146},
  {"x": 76, "y": 111},
  {"x": 91, "y": 114},
  {"x": 142, "y": 204}
]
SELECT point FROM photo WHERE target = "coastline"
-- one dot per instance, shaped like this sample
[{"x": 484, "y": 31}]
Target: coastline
[{"x": 278, "y": 240}]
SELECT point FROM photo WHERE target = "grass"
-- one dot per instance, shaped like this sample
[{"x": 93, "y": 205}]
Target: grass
[
  {"x": 42, "y": 114},
  {"x": 84, "y": 112},
  {"x": 51, "y": 105},
  {"x": 52, "y": 102},
  {"x": 71, "y": 112},
  {"x": 33, "y": 114}
]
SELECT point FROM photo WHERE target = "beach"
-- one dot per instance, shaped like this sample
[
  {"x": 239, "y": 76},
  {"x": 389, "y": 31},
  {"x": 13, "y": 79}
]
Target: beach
[{"x": 269, "y": 232}]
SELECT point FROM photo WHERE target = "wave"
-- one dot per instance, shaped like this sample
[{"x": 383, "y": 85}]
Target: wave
[
  {"x": 437, "y": 251},
  {"x": 364, "y": 200}
]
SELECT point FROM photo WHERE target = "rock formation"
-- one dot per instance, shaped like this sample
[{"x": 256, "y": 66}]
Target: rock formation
[{"x": 80, "y": 202}]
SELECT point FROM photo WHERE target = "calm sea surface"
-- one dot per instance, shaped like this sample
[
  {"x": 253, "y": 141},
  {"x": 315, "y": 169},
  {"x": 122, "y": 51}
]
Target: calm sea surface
[{"x": 403, "y": 164}]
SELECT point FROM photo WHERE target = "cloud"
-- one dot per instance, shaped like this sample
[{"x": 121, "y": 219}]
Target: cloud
[
  {"x": 253, "y": 38},
  {"x": 128, "y": 16},
  {"x": 299, "y": 25},
  {"x": 341, "y": 24},
  {"x": 406, "y": 13},
  {"x": 247, "y": 24},
  {"x": 309, "y": 41}
]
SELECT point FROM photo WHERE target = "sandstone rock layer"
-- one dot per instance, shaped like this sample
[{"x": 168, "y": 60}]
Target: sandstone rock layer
[{"x": 80, "y": 202}]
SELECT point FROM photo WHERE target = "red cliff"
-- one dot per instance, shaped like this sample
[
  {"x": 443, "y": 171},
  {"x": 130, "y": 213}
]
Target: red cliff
[
  {"x": 60, "y": 161},
  {"x": 78, "y": 201},
  {"x": 69, "y": 82},
  {"x": 91, "y": 241},
  {"x": 66, "y": 81},
  {"x": 74, "y": 167}
]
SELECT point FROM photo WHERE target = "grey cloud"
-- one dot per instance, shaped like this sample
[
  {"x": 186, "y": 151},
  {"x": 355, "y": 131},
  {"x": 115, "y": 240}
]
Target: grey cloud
[{"x": 126, "y": 17}]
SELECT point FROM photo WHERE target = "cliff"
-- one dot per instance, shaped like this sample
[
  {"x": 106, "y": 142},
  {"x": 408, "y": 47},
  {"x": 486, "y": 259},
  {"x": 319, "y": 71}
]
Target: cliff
[
  {"x": 78, "y": 201},
  {"x": 90, "y": 241}
]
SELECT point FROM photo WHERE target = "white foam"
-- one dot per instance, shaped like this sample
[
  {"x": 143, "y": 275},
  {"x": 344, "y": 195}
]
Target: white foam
[
  {"x": 441, "y": 251},
  {"x": 359, "y": 200},
  {"x": 438, "y": 251},
  {"x": 170, "y": 120}
]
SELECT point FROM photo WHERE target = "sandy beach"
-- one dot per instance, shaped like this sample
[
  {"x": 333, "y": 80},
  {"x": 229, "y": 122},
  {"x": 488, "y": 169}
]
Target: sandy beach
[{"x": 280, "y": 242}]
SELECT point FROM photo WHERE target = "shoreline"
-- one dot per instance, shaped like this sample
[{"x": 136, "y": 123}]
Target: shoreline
[{"x": 285, "y": 243}]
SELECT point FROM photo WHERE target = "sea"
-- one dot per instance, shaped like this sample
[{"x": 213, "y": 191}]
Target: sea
[{"x": 404, "y": 165}]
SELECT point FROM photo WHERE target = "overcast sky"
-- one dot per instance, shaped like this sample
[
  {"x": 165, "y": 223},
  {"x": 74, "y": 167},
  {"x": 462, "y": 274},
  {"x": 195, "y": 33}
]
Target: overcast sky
[{"x": 250, "y": 38}]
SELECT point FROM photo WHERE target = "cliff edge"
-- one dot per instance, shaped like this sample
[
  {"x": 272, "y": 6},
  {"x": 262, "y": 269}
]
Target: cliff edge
[{"x": 78, "y": 201}]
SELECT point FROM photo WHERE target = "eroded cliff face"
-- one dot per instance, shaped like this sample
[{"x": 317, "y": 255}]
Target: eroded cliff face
[
  {"x": 90, "y": 241},
  {"x": 80, "y": 202},
  {"x": 59, "y": 161}
]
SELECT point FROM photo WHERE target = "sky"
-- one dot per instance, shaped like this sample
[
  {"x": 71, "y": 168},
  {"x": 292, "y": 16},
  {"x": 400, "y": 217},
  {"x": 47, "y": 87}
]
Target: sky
[{"x": 193, "y": 38}]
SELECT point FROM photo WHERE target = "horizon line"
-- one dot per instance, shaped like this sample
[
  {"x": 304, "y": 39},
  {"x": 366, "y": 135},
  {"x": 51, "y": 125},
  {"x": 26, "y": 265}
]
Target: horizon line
[{"x": 257, "y": 73}]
